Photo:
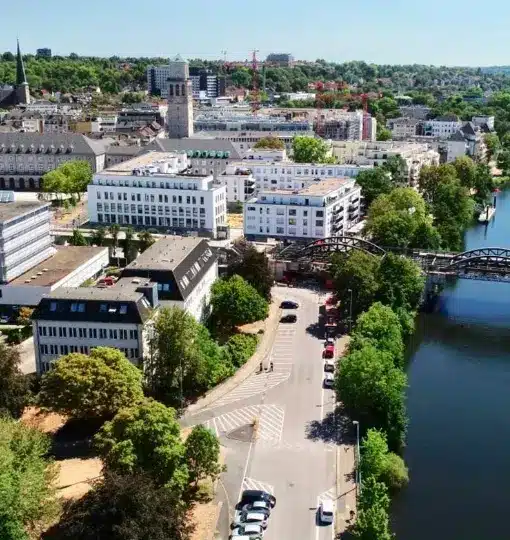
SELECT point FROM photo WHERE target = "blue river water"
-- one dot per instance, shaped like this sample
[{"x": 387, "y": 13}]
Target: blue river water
[{"x": 458, "y": 444}]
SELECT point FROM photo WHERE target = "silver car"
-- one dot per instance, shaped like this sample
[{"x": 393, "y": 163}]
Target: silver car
[
  {"x": 250, "y": 530},
  {"x": 245, "y": 518},
  {"x": 262, "y": 507}
]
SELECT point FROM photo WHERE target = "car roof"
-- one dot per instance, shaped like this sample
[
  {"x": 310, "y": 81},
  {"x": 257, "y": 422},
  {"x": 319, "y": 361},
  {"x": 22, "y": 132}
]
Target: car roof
[
  {"x": 259, "y": 503},
  {"x": 255, "y": 515},
  {"x": 329, "y": 376},
  {"x": 253, "y": 493},
  {"x": 252, "y": 527}
]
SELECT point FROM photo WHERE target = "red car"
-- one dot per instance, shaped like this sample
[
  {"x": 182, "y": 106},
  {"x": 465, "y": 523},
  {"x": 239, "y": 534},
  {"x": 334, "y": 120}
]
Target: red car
[{"x": 329, "y": 351}]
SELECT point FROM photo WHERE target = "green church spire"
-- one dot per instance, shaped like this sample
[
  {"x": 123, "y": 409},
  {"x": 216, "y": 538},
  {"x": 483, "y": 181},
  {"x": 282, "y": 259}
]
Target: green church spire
[{"x": 21, "y": 77}]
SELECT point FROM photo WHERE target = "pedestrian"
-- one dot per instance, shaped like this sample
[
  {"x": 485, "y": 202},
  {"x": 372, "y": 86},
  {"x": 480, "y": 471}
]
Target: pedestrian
[
  {"x": 261, "y": 367},
  {"x": 271, "y": 366}
]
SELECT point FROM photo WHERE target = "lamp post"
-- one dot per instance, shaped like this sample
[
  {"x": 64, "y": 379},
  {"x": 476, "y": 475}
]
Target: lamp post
[
  {"x": 358, "y": 457},
  {"x": 350, "y": 309}
]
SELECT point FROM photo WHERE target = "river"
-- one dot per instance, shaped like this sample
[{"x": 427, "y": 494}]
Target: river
[{"x": 458, "y": 444}]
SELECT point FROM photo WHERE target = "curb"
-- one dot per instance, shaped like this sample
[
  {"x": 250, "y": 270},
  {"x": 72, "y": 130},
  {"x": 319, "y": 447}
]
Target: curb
[{"x": 265, "y": 345}]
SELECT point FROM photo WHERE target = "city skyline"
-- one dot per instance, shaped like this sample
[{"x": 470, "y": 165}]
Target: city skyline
[{"x": 453, "y": 34}]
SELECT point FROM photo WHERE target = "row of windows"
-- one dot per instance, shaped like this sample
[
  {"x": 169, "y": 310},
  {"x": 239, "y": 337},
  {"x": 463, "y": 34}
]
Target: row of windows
[
  {"x": 281, "y": 211},
  {"x": 152, "y": 220},
  {"x": 92, "y": 333},
  {"x": 67, "y": 349},
  {"x": 137, "y": 197},
  {"x": 79, "y": 307},
  {"x": 148, "y": 209}
]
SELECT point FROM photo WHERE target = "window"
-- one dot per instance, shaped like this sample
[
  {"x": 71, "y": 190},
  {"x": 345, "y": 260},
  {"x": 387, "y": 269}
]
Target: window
[
  {"x": 123, "y": 334},
  {"x": 319, "y": 213},
  {"x": 102, "y": 333},
  {"x": 53, "y": 306},
  {"x": 74, "y": 307},
  {"x": 43, "y": 349},
  {"x": 52, "y": 331},
  {"x": 123, "y": 309},
  {"x": 103, "y": 308},
  {"x": 42, "y": 330},
  {"x": 82, "y": 332},
  {"x": 62, "y": 331},
  {"x": 133, "y": 334},
  {"x": 72, "y": 332},
  {"x": 319, "y": 222},
  {"x": 92, "y": 333},
  {"x": 64, "y": 349}
]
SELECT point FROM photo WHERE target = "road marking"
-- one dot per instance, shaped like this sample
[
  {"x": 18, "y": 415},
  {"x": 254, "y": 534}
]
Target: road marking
[
  {"x": 251, "y": 483},
  {"x": 271, "y": 423},
  {"x": 257, "y": 383}
]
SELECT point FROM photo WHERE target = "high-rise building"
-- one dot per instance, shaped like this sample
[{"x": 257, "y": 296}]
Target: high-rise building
[
  {"x": 180, "y": 99},
  {"x": 43, "y": 53}
]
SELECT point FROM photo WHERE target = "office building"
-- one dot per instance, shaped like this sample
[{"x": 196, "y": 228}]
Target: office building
[
  {"x": 239, "y": 182},
  {"x": 180, "y": 100},
  {"x": 152, "y": 191},
  {"x": 69, "y": 266},
  {"x": 78, "y": 319},
  {"x": 184, "y": 269},
  {"x": 205, "y": 85},
  {"x": 442, "y": 126},
  {"x": 280, "y": 60},
  {"x": 26, "y": 157},
  {"x": 24, "y": 236},
  {"x": 43, "y": 53},
  {"x": 325, "y": 209}
]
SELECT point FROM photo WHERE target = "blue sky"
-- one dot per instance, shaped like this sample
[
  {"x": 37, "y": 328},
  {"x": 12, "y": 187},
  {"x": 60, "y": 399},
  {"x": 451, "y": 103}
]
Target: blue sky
[{"x": 445, "y": 32}]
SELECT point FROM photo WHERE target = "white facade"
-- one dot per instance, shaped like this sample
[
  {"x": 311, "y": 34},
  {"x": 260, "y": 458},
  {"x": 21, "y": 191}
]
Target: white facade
[
  {"x": 261, "y": 154},
  {"x": 291, "y": 175},
  {"x": 402, "y": 128},
  {"x": 441, "y": 128},
  {"x": 328, "y": 209},
  {"x": 53, "y": 339},
  {"x": 479, "y": 121},
  {"x": 239, "y": 183},
  {"x": 148, "y": 191}
]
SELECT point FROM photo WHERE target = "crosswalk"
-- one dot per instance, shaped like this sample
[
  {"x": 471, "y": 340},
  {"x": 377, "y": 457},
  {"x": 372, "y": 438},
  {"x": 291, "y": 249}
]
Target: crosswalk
[
  {"x": 270, "y": 422},
  {"x": 251, "y": 483},
  {"x": 257, "y": 383},
  {"x": 330, "y": 494}
]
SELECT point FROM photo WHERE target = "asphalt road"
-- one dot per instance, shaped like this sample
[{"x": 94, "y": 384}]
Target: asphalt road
[{"x": 293, "y": 455}]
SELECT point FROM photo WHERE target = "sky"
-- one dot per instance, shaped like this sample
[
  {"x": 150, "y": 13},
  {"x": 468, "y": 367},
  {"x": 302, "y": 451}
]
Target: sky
[{"x": 438, "y": 32}]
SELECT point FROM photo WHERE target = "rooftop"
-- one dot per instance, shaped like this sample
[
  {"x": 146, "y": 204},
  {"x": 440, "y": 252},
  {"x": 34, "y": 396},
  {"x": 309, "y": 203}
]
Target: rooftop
[
  {"x": 150, "y": 159},
  {"x": 10, "y": 210},
  {"x": 110, "y": 294},
  {"x": 52, "y": 270},
  {"x": 166, "y": 254},
  {"x": 321, "y": 188}
]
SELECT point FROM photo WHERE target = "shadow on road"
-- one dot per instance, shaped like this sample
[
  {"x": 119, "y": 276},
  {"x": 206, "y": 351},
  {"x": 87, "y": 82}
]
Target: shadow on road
[{"x": 335, "y": 428}]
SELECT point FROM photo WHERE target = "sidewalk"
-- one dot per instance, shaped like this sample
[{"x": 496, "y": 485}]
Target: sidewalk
[{"x": 252, "y": 365}]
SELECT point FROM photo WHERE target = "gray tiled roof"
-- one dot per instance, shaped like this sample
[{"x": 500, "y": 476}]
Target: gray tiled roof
[
  {"x": 115, "y": 150},
  {"x": 191, "y": 143},
  {"x": 80, "y": 144}
]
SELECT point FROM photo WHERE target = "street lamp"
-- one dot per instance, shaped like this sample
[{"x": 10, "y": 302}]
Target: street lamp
[
  {"x": 350, "y": 309},
  {"x": 358, "y": 457}
]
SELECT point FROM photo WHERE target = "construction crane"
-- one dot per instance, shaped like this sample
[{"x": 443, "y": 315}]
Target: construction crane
[{"x": 255, "y": 94}]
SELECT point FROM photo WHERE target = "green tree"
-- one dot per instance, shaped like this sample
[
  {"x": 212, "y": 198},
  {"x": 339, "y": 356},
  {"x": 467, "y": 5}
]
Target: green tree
[
  {"x": 401, "y": 282},
  {"x": 27, "y": 479},
  {"x": 114, "y": 230},
  {"x": 374, "y": 182},
  {"x": 77, "y": 239},
  {"x": 98, "y": 236},
  {"x": 25, "y": 316},
  {"x": 202, "y": 452},
  {"x": 124, "y": 507},
  {"x": 372, "y": 522},
  {"x": 78, "y": 175},
  {"x": 235, "y": 302},
  {"x": 493, "y": 145},
  {"x": 270, "y": 143},
  {"x": 128, "y": 245},
  {"x": 239, "y": 348},
  {"x": 425, "y": 236},
  {"x": 310, "y": 150},
  {"x": 54, "y": 181},
  {"x": 145, "y": 240},
  {"x": 431, "y": 177},
  {"x": 14, "y": 388},
  {"x": 380, "y": 327},
  {"x": 397, "y": 167},
  {"x": 372, "y": 390},
  {"x": 466, "y": 171},
  {"x": 97, "y": 385},
  {"x": 242, "y": 78},
  {"x": 145, "y": 438},
  {"x": 384, "y": 134},
  {"x": 356, "y": 272},
  {"x": 253, "y": 266}
]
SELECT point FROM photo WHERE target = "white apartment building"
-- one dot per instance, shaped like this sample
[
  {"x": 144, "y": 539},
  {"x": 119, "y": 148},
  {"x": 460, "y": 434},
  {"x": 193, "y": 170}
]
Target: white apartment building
[
  {"x": 151, "y": 191},
  {"x": 442, "y": 126},
  {"x": 69, "y": 266},
  {"x": 402, "y": 128},
  {"x": 78, "y": 319},
  {"x": 325, "y": 209},
  {"x": 25, "y": 237},
  {"x": 239, "y": 182},
  {"x": 262, "y": 154},
  {"x": 291, "y": 175},
  {"x": 375, "y": 154},
  {"x": 484, "y": 122}
]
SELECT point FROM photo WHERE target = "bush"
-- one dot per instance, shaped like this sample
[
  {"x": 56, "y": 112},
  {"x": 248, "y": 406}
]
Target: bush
[
  {"x": 394, "y": 473},
  {"x": 239, "y": 348}
]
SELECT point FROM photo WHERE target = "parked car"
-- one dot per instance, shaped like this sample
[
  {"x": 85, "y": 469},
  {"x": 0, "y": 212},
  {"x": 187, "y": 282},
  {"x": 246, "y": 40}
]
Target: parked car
[
  {"x": 251, "y": 530},
  {"x": 264, "y": 507},
  {"x": 288, "y": 304},
  {"x": 288, "y": 319},
  {"x": 329, "y": 380},
  {"x": 329, "y": 351},
  {"x": 327, "y": 511},
  {"x": 329, "y": 365},
  {"x": 243, "y": 518},
  {"x": 250, "y": 496}
]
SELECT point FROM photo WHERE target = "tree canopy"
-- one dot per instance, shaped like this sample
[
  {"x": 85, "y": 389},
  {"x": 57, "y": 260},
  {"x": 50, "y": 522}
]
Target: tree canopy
[
  {"x": 14, "y": 388},
  {"x": 310, "y": 150},
  {"x": 97, "y": 385},
  {"x": 202, "y": 453},
  {"x": 71, "y": 177},
  {"x": 269, "y": 143}
]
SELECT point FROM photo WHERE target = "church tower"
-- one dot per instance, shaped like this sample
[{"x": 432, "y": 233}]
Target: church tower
[
  {"x": 22, "y": 90},
  {"x": 180, "y": 100}
]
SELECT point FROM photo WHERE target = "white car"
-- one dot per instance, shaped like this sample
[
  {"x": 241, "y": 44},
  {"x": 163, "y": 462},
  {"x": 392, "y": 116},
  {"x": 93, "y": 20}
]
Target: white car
[
  {"x": 329, "y": 365},
  {"x": 250, "y": 530},
  {"x": 261, "y": 507},
  {"x": 327, "y": 511},
  {"x": 245, "y": 518},
  {"x": 329, "y": 380}
]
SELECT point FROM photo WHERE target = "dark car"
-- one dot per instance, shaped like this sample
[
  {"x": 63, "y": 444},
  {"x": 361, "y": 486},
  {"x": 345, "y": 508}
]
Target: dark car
[
  {"x": 287, "y": 304},
  {"x": 288, "y": 319},
  {"x": 250, "y": 496}
]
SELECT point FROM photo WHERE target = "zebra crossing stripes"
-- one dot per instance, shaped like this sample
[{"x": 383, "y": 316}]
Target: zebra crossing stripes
[
  {"x": 271, "y": 423},
  {"x": 251, "y": 483},
  {"x": 257, "y": 383},
  {"x": 330, "y": 495}
]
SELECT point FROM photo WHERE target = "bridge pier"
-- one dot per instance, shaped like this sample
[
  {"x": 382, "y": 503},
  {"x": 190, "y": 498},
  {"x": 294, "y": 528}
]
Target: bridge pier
[{"x": 434, "y": 286}]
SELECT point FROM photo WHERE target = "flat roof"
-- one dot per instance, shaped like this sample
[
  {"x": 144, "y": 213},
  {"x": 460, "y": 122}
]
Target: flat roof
[
  {"x": 52, "y": 270},
  {"x": 143, "y": 160},
  {"x": 322, "y": 187},
  {"x": 166, "y": 254},
  {"x": 10, "y": 210},
  {"x": 110, "y": 294}
]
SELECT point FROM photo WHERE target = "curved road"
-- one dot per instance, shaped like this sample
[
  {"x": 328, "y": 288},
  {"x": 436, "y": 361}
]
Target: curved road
[{"x": 293, "y": 455}]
